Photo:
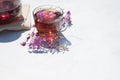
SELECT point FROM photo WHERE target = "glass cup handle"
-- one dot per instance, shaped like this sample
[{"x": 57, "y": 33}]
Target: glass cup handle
[
  {"x": 63, "y": 26},
  {"x": 66, "y": 22}
]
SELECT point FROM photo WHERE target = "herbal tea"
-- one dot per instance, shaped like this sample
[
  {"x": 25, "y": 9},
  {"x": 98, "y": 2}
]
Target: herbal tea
[{"x": 47, "y": 22}]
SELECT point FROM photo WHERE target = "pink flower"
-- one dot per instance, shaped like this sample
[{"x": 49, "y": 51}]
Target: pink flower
[
  {"x": 51, "y": 42},
  {"x": 23, "y": 43}
]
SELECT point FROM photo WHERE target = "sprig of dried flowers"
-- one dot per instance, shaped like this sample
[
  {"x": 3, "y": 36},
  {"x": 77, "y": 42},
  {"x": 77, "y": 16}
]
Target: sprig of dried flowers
[{"x": 38, "y": 44}]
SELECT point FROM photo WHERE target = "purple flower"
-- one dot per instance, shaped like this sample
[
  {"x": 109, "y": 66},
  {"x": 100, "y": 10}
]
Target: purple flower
[
  {"x": 23, "y": 43},
  {"x": 67, "y": 19},
  {"x": 28, "y": 38},
  {"x": 49, "y": 42}
]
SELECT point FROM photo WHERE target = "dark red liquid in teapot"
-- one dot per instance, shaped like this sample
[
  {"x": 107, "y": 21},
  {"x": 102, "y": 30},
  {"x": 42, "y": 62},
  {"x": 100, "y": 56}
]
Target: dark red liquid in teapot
[{"x": 9, "y": 9}]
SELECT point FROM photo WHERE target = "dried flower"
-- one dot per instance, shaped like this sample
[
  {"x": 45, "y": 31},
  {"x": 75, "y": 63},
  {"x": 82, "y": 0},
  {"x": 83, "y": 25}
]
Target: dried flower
[
  {"x": 68, "y": 19},
  {"x": 48, "y": 43},
  {"x": 23, "y": 43}
]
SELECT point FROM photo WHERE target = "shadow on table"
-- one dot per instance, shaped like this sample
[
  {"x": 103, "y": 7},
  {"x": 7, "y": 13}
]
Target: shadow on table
[
  {"x": 59, "y": 45},
  {"x": 9, "y": 36}
]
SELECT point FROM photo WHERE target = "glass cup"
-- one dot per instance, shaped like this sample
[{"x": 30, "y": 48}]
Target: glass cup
[
  {"x": 9, "y": 10},
  {"x": 49, "y": 21}
]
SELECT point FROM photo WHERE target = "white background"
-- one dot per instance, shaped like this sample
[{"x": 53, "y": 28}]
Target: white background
[{"x": 93, "y": 55}]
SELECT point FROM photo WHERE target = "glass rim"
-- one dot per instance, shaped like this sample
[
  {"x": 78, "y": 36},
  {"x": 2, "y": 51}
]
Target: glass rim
[
  {"x": 41, "y": 7},
  {"x": 16, "y": 5}
]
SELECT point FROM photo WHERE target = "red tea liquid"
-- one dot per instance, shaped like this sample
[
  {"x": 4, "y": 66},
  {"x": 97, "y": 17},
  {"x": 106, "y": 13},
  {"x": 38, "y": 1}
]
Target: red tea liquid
[
  {"x": 9, "y": 10},
  {"x": 45, "y": 22}
]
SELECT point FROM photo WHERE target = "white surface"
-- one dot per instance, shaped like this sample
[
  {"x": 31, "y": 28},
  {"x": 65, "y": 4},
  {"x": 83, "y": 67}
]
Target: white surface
[{"x": 94, "y": 53}]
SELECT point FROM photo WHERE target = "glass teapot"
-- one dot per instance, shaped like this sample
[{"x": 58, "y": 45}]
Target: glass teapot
[{"x": 9, "y": 10}]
